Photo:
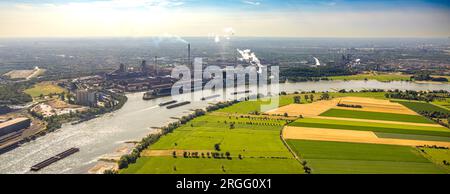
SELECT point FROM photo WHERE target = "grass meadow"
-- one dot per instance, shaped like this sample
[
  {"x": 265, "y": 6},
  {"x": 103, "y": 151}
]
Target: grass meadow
[
  {"x": 338, "y": 157},
  {"x": 375, "y": 116}
]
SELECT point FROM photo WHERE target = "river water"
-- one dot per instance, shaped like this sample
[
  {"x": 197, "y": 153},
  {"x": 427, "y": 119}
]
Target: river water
[{"x": 105, "y": 134}]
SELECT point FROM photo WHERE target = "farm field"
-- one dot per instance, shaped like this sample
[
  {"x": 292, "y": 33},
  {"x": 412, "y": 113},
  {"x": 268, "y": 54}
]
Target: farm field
[
  {"x": 245, "y": 139},
  {"x": 422, "y": 106},
  {"x": 353, "y": 141},
  {"x": 438, "y": 156},
  {"x": 375, "y": 116},
  {"x": 44, "y": 88},
  {"x": 375, "y": 95},
  {"x": 247, "y": 107},
  {"x": 445, "y": 103},
  {"x": 256, "y": 140},
  {"x": 412, "y": 137},
  {"x": 170, "y": 165},
  {"x": 435, "y": 130},
  {"x": 253, "y": 145},
  {"x": 340, "y": 157},
  {"x": 374, "y": 76},
  {"x": 339, "y": 135}
]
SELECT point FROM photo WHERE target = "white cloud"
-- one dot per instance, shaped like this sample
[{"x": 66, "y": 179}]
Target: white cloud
[{"x": 252, "y": 2}]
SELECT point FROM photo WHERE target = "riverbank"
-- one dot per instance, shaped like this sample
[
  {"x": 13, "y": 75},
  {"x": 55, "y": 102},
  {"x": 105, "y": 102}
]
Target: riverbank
[
  {"x": 385, "y": 77},
  {"x": 53, "y": 123}
]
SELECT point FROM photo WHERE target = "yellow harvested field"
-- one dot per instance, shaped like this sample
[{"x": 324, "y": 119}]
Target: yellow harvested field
[
  {"x": 155, "y": 153},
  {"x": 375, "y": 105},
  {"x": 337, "y": 135},
  {"x": 312, "y": 109},
  {"x": 317, "y": 108}
]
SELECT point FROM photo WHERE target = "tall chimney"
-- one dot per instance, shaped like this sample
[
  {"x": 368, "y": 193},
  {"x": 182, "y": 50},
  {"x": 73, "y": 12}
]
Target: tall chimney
[
  {"x": 189, "y": 55},
  {"x": 156, "y": 65}
]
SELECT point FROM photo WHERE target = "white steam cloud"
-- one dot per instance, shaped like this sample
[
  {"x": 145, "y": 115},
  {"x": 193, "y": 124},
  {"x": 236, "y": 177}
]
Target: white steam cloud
[
  {"x": 317, "y": 61},
  {"x": 248, "y": 56},
  {"x": 169, "y": 38}
]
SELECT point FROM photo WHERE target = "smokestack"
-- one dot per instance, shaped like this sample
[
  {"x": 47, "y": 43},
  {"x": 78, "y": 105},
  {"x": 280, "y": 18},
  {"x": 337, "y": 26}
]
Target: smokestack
[
  {"x": 189, "y": 56},
  {"x": 156, "y": 65}
]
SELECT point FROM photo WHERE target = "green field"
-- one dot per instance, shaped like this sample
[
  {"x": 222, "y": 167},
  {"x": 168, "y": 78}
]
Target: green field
[
  {"x": 438, "y": 156},
  {"x": 443, "y": 103},
  {"x": 422, "y": 106},
  {"x": 256, "y": 139},
  {"x": 377, "y": 95},
  {"x": 370, "y": 126},
  {"x": 170, "y": 165},
  {"x": 247, "y": 107},
  {"x": 44, "y": 89},
  {"x": 249, "y": 140},
  {"x": 338, "y": 157},
  {"x": 412, "y": 137},
  {"x": 371, "y": 76},
  {"x": 375, "y": 116}
]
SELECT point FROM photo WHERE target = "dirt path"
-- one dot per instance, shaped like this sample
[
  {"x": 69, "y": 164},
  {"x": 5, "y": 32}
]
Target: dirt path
[{"x": 306, "y": 133}]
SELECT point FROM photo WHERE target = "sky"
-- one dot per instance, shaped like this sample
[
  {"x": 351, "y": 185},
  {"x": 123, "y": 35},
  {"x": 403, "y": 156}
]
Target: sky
[{"x": 225, "y": 18}]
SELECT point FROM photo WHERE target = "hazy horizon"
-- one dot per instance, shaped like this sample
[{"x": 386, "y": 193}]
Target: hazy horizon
[{"x": 224, "y": 19}]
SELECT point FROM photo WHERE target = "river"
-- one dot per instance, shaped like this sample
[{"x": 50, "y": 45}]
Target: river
[{"x": 105, "y": 134}]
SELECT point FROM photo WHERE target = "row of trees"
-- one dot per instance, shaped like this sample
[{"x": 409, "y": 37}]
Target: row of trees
[
  {"x": 426, "y": 96},
  {"x": 349, "y": 105},
  {"x": 316, "y": 73},
  {"x": 426, "y": 76},
  {"x": 215, "y": 155}
]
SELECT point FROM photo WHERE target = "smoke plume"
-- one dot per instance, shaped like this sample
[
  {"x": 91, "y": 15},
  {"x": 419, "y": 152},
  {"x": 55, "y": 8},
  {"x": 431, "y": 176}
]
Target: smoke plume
[{"x": 248, "y": 56}]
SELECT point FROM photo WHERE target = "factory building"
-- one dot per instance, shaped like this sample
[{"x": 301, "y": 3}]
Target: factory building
[
  {"x": 14, "y": 125},
  {"x": 86, "y": 97}
]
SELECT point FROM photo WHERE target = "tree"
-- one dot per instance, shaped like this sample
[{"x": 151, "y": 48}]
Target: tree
[
  {"x": 232, "y": 125},
  {"x": 297, "y": 99},
  {"x": 311, "y": 97},
  {"x": 228, "y": 155},
  {"x": 217, "y": 147},
  {"x": 306, "y": 97},
  {"x": 325, "y": 96},
  {"x": 123, "y": 163},
  {"x": 110, "y": 171}
]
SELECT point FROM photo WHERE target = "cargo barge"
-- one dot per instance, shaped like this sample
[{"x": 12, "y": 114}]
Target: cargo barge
[
  {"x": 242, "y": 92},
  {"x": 210, "y": 97},
  {"x": 54, "y": 159},
  {"x": 167, "y": 103},
  {"x": 178, "y": 105},
  {"x": 157, "y": 93}
]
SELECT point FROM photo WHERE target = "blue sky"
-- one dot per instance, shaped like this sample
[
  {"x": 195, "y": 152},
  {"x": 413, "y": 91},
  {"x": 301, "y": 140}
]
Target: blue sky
[
  {"x": 333, "y": 18},
  {"x": 265, "y": 5}
]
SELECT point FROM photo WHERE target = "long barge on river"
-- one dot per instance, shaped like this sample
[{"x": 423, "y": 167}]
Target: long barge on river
[
  {"x": 178, "y": 105},
  {"x": 54, "y": 159}
]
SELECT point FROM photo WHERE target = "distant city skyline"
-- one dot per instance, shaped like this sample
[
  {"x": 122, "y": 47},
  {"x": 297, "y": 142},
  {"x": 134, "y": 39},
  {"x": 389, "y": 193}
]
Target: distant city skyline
[{"x": 223, "y": 19}]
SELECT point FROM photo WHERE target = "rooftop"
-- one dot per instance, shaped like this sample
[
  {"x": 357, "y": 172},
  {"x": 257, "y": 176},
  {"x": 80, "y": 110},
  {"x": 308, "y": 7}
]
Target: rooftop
[{"x": 13, "y": 121}]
